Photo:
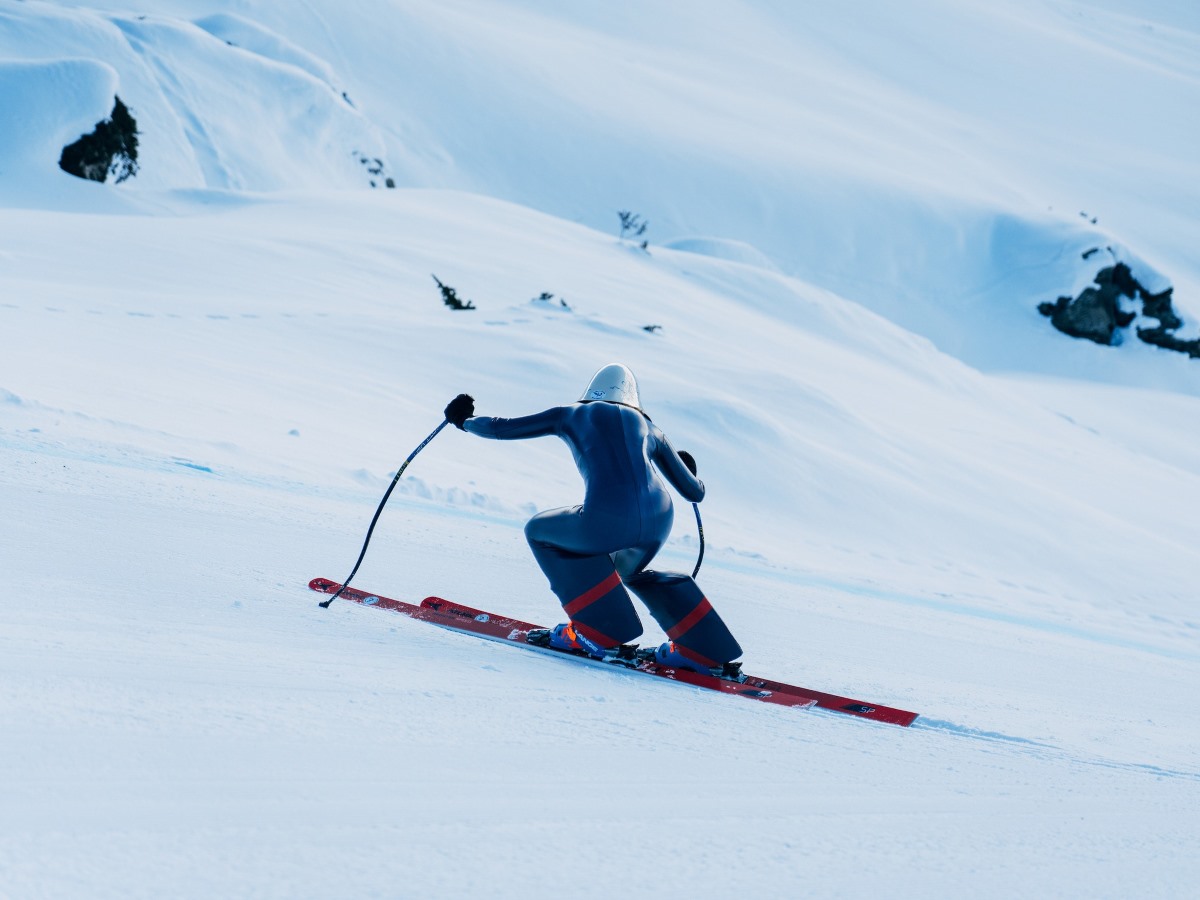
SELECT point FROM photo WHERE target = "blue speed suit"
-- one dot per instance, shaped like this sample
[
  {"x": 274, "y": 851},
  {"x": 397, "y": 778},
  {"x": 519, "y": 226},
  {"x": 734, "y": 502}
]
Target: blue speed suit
[{"x": 590, "y": 553}]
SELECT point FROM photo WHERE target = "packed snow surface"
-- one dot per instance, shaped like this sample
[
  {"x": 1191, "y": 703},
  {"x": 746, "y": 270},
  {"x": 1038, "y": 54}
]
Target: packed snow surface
[{"x": 919, "y": 494}]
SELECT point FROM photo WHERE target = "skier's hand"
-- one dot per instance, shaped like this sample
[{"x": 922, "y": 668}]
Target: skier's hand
[
  {"x": 688, "y": 461},
  {"x": 459, "y": 410}
]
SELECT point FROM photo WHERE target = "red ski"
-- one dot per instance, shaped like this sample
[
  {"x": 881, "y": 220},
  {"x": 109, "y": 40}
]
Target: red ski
[{"x": 466, "y": 619}]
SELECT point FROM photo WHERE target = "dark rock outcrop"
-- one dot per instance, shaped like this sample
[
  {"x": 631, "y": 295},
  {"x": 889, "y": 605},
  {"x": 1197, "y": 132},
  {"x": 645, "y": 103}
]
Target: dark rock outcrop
[
  {"x": 1096, "y": 314},
  {"x": 111, "y": 149}
]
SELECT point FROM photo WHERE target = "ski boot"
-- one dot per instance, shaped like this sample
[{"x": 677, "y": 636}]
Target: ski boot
[
  {"x": 668, "y": 656},
  {"x": 566, "y": 638}
]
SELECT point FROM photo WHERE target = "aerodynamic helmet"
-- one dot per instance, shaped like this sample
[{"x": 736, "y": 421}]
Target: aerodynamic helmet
[{"x": 614, "y": 383}]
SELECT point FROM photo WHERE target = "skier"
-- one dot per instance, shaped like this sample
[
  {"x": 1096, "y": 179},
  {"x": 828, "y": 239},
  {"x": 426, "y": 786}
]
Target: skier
[{"x": 591, "y": 553}]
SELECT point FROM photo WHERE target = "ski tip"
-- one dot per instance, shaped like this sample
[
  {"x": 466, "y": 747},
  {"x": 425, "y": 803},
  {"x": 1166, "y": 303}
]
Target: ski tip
[{"x": 325, "y": 586}]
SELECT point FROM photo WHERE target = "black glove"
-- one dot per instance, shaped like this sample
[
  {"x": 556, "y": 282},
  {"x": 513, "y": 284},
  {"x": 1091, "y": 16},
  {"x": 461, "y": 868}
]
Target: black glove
[
  {"x": 688, "y": 461},
  {"x": 460, "y": 409}
]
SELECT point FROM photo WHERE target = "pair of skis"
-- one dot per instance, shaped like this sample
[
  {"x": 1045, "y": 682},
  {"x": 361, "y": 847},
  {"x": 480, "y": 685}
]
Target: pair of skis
[{"x": 467, "y": 620}]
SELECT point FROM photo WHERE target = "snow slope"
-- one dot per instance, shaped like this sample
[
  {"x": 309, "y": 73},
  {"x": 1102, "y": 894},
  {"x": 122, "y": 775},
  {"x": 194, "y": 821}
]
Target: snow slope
[
  {"x": 186, "y": 442},
  {"x": 930, "y": 161},
  {"x": 208, "y": 382}
]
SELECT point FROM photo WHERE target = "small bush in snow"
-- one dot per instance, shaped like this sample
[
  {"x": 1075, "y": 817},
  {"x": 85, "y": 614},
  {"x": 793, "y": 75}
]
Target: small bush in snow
[
  {"x": 376, "y": 171},
  {"x": 632, "y": 225},
  {"x": 547, "y": 297},
  {"x": 450, "y": 296}
]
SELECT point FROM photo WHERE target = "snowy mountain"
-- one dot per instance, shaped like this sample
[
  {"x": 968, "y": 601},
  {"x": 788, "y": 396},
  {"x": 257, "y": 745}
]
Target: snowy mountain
[
  {"x": 919, "y": 491},
  {"x": 929, "y": 179}
]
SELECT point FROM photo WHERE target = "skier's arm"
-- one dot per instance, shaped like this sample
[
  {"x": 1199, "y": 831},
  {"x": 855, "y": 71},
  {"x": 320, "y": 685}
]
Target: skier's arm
[
  {"x": 673, "y": 468},
  {"x": 538, "y": 425}
]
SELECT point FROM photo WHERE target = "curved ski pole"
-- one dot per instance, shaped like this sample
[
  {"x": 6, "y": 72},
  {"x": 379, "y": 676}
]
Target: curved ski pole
[
  {"x": 325, "y": 603},
  {"x": 700, "y": 529}
]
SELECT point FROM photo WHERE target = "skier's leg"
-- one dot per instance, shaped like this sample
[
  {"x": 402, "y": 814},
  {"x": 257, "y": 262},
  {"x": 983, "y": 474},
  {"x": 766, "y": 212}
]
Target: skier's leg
[
  {"x": 684, "y": 613},
  {"x": 582, "y": 576}
]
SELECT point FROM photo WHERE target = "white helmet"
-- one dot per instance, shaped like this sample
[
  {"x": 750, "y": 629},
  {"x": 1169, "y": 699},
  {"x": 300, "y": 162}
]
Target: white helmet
[{"x": 613, "y": 384}]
